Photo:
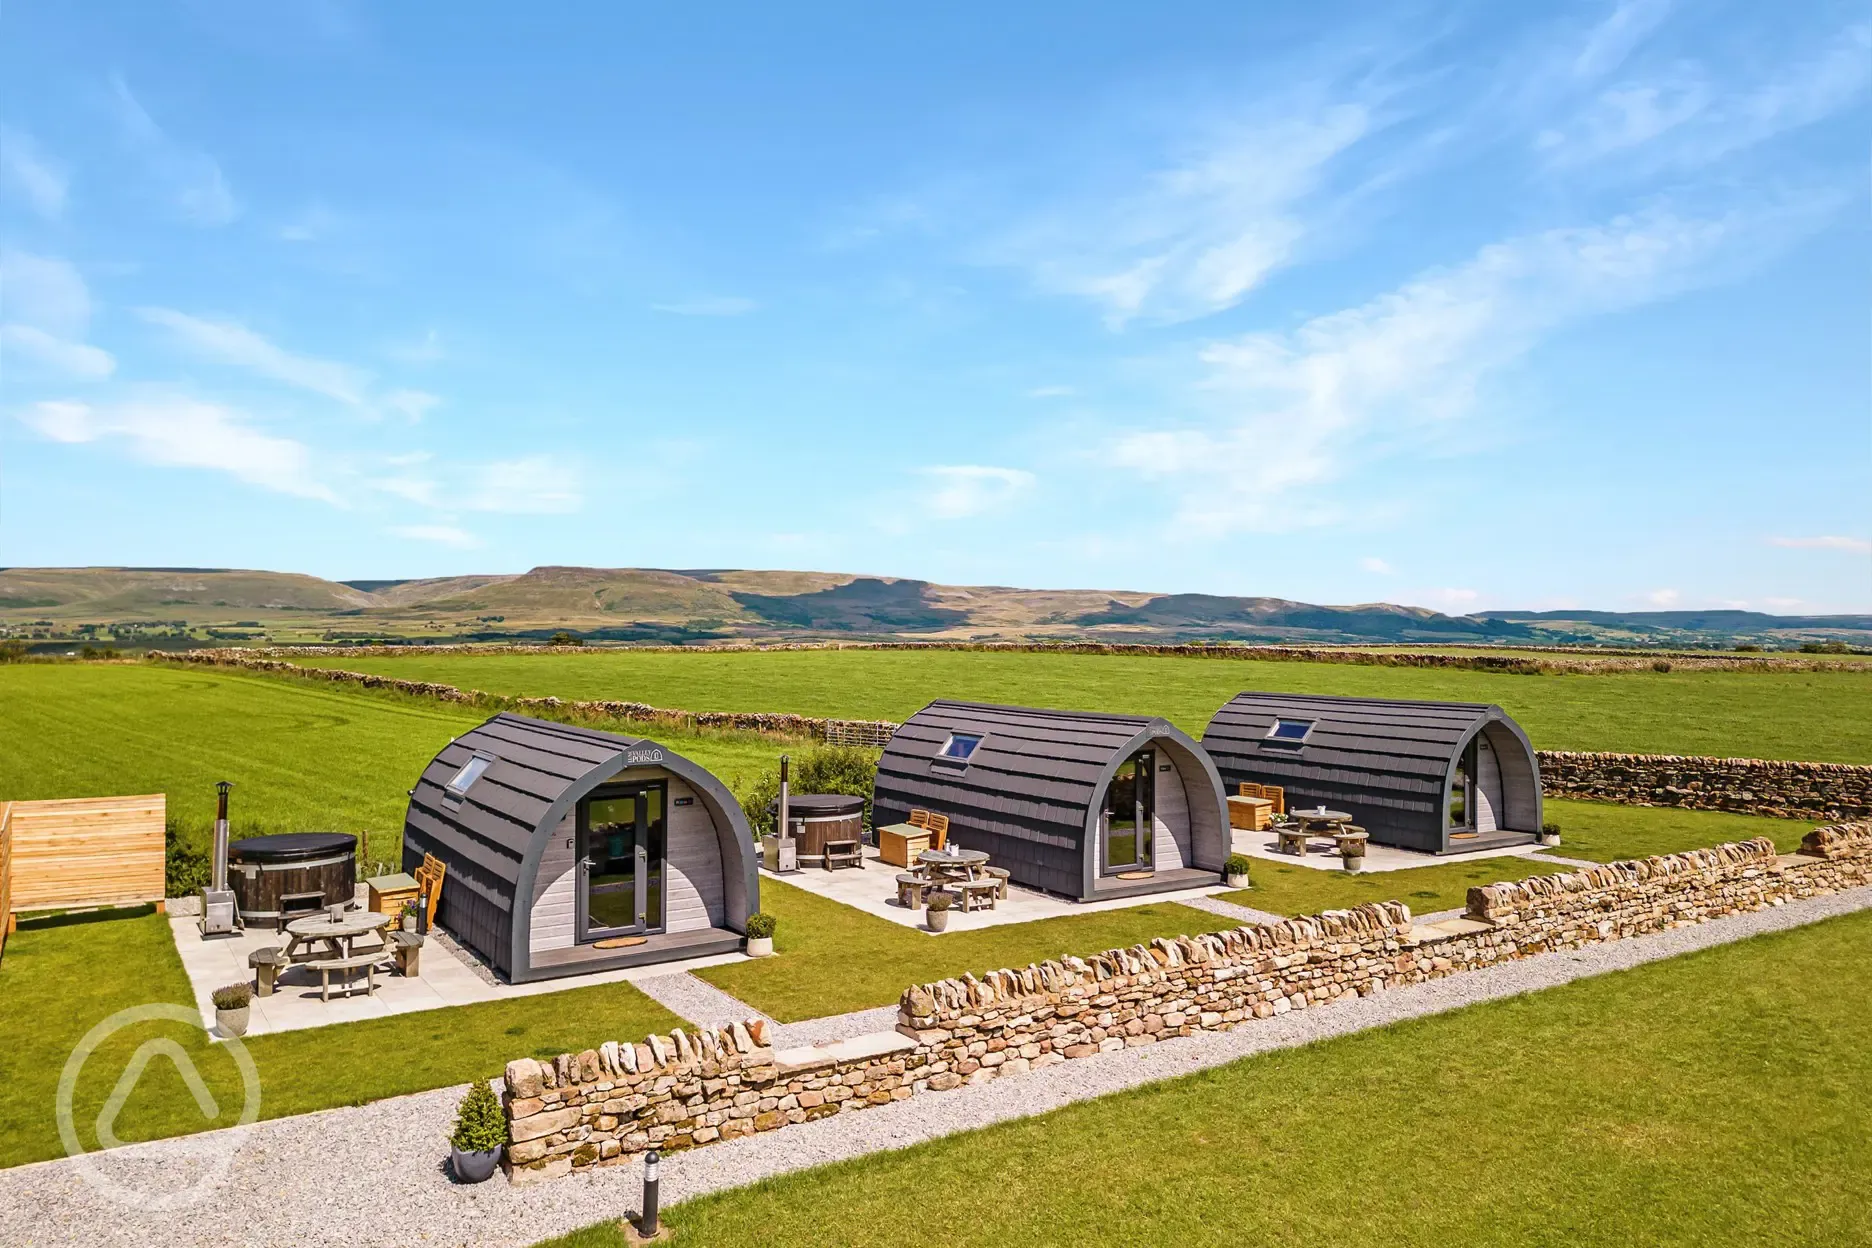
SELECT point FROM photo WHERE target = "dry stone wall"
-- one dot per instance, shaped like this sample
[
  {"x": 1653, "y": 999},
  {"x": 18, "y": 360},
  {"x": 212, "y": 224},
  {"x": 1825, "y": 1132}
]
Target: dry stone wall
[
  {"x": 606, "y": 1105},
  {"x": 1753, "y": 786}
]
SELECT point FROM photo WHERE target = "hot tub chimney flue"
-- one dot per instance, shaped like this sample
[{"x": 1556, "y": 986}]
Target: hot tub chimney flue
[
  {"x": 218, "y": 915},
  {"x": 220, "y": 863}
]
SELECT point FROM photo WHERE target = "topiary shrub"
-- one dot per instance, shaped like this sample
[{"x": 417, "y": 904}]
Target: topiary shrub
[
  {"x": 761, "y": 926},
  {"x": 479, "y": 1123},
  {"x": 233, "y": 997},
  {"x": 1550, "y": 828},
  {"x": 1237, "y": 864},
  {"x": 940, "y": 901}
]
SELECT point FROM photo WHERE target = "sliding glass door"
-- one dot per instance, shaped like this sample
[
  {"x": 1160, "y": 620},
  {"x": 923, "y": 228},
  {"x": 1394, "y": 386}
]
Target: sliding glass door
[{"x": 1129, "y": 813}]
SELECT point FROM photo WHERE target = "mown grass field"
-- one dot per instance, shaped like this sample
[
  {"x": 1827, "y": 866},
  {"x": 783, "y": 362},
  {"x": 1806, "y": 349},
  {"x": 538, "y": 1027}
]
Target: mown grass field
[
  {"x": 302, "y": 755},
  {"x": 62, "y": 976},
  {"x": 1820, "y": 716},
  {"x": 1724, "y": 1097}
]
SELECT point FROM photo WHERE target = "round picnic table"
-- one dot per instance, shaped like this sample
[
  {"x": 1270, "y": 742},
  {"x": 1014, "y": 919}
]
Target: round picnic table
[
  {"x": 953, "y": 864},
  {"x": 335, "y": 935},
  {"x": 1320, "y": 816}
]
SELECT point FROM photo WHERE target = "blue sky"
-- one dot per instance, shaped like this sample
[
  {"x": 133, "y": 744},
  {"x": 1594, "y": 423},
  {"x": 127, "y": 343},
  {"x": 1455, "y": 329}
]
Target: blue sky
[{"x": 1467, "y": 306}]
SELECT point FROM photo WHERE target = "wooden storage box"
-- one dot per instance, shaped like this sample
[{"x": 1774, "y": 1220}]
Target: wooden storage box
[
  {"x": 1251, "y": 814},
  {"x": 387, "y": 893},
  {"x": 900, "y": 843}
]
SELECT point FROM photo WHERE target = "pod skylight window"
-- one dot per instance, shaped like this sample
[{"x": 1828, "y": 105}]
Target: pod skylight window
[
  {"x": 959, "y": 747},
  {"x": 471, "y": 771},
  {"x": 1290, "y": 731}
]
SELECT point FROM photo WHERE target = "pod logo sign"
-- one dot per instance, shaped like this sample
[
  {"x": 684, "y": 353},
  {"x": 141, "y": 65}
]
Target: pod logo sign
[{"x": 214, "y": 1150}]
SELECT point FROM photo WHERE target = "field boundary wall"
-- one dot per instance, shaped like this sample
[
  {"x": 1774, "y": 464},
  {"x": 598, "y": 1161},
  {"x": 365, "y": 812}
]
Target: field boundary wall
[
  {"x": 1739, "y": 785},
  {"x": 613, "y": 1102}
]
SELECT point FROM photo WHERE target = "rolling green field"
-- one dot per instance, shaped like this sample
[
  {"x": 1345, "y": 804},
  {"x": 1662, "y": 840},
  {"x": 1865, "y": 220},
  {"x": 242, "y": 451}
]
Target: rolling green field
[
  {"x": 1722, "y": 1097},
  {"x": 1820, "y": 716},
  {"x": 301, "y": 755},
  {"x": 62, "y": 976}
]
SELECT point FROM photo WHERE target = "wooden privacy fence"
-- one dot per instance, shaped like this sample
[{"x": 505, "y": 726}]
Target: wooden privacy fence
[
  {"x": 6, "y": 873},
  {"x": 84, "y": 851}
]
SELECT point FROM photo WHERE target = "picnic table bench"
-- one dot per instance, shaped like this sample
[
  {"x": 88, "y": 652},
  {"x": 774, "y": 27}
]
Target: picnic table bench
[{"x": 366, "y": 962}]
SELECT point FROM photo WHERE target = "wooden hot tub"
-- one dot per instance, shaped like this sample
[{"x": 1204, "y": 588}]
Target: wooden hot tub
[
  {"x": 273, "y": 873},
  {"x": 826, "y": 817}
]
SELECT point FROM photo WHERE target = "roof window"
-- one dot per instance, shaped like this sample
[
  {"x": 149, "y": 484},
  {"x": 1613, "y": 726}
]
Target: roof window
[
  {"x": 1290, "y": 731},
  {"x": 959, "y": 747},
  {"x": 471, "y": 771}
]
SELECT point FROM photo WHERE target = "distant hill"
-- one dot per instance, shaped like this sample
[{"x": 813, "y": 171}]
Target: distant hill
[{"x": 178, "y": 606}]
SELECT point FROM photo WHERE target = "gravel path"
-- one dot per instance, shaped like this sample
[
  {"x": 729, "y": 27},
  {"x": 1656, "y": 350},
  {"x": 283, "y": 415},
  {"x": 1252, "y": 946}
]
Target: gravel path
[
  {"x": 698, "y": 1000},
  {"x": 835, "y": 1027},
  {"x": 373, "y": 1174},
  {"x": 1229, "y": 910}
]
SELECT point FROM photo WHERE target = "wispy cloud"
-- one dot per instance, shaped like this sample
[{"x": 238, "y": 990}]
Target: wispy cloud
[
  {"x": 1663, "y": 598},
  {"x": 1293, "y": 409},
  {"x": 190, "y": 178},
  {"x": 46, "y": 307},
  {"x": 182, "y": 432},
  {"x": 1051, "y": 392},
  {"x": 1371, "y": 563},
  {"x": 963, "y": 490},
  {"x": 24, "y": 168},
  {"x": 1851, "y": 545},
  {"x": 425, "y": 350},
  {"x": 1608, "y": 44},
  {"x": 233, "y": 343},
  {"x": 708, "y": 305},
  {"x": 1199, "y": 233},
  {"x": 440, "y": 534},
  {"x": 529, "y": 485}
]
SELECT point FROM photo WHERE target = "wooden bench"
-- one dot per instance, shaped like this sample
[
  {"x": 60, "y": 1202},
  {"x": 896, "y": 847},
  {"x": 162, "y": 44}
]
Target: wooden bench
[
  {"x": 407, "y": 949},
  {"x": 843, "y": 854},
  {"x": 367, "y": 962},
  {"x": 911, "y": 888},
  {"x": 1000, "y": 876},
  {"x": 266, "y": 965},
  {"x": 1291, "y": 838},
  {"x": 976, "y": 894}
]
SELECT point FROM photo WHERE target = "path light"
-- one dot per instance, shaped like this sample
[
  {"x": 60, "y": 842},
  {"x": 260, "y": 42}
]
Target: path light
[{"x": 647, "y": 1224}]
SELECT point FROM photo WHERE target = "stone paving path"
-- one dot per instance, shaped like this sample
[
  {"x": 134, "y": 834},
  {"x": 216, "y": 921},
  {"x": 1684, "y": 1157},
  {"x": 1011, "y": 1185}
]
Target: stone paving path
[{"x": 282, "y": 1184}]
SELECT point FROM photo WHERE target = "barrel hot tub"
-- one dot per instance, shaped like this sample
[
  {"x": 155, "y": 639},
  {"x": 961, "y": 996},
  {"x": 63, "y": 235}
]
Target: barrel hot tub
[
  {"x": 275, "y": 878},
  {"x": 821, "y": 817}
]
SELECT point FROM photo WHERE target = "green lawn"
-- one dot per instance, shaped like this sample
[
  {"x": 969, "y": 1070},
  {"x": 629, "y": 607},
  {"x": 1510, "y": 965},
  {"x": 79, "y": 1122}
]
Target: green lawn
[
  {"x": 1797, "y": 715},
  {"x": 1723, "y": 1097},
  {"x": 301, "y": 754},
  {"x": 60, "y": 977},
  {"x": 831, "y": 958},
  {"x": 1606, "y": 833}
]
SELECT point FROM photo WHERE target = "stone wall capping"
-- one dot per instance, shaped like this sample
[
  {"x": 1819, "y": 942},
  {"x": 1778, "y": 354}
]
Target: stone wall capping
[{"x": 690, "y": 1089}]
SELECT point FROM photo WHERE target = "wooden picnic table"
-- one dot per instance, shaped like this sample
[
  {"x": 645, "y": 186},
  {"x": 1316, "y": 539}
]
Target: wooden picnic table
[
  {"x": 337, "y": 936},
  {"x": 953, "y": 864}
]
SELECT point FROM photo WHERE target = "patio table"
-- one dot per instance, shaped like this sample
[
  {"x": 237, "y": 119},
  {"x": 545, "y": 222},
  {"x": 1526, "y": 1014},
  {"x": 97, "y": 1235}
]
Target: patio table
[
  {"x": 336, "y": 936},
  {"x": 953, "y": 864}
]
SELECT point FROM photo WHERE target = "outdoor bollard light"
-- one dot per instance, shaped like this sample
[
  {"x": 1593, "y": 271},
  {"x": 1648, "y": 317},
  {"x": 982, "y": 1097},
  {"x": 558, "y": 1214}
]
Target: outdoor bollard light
[{"x": 647, "y": 1225}]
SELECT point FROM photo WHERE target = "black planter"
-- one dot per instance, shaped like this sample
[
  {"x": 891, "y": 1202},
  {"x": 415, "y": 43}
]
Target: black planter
[{"x": 474, "y": 1167}]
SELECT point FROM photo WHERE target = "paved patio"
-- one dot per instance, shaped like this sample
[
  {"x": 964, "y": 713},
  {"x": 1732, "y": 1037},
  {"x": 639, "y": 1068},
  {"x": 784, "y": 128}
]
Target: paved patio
[
  {"x": 1322, "y": 857},
  {"x": 872, "y": 888},
  {"x": 445, "y": 979}
]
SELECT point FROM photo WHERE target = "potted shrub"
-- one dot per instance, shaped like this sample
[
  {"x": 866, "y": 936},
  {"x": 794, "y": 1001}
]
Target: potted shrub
[
  {"x": 410, "y": 911},
  {"x": 760, "y": 930},
  {"x": 936, "y": 911},
  {"x": 1236, "y": 870},
  {"x": 1550, "y": 833},
  {"x": 231, "y": 1008},
  {"x": 480, "y": 1133},
  {"x": 1352, "y": 855}
]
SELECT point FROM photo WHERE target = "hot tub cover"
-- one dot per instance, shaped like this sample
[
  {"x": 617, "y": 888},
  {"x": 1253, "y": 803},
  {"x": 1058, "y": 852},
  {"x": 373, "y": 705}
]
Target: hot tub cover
[
  {"x": 805, "y": 805},
  {"x": 292, "y": 846}
]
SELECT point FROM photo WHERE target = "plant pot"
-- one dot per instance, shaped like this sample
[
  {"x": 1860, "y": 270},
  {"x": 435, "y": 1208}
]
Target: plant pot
[
  {"x": 1238, "y": 881},
  {"x": 409, "y": 922},
  {"x": 938, "y": 920},
  {"x": 1354, "y": 864},
  {"x": 232, "y": 1022},
  {"x": 1550, "y": 839},
  {"x": 474, "y": 1167},
  {"x": 760, "y": 946}
]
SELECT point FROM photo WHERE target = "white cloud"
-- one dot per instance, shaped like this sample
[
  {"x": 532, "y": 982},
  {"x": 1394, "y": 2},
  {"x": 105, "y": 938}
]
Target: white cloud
[
  {"x": 1196, "y": 236},
  {"x": 46, "y": 308},
  {"x": 1782, "y": 604},
  {"x": 414, "y": 404},
  {"x": 1292, "y": 410},
  {"x": 180, "y": 432},
  {"x": 1371, "y": 563},
  {"x": 1051, "y": 392},
  {"x": 235, "y": 344},
  {"x": 1612, "y": 40},
  {"x": 411, "y": 487},
  {"x": 1663, "y": 597},
  {"x": 1852, "y": 545},
  {"x": 708, "y": 305},
  {"x": 530, "y": 485},
  {"x": 73, "y": 359},
  {"x": 190, "y": 178},
  {"x": 441, "y": 534},
  {"x": 425, "y": 350},
  {"x": 964, "y": 490},
  {"x": 25, "y": 168}
]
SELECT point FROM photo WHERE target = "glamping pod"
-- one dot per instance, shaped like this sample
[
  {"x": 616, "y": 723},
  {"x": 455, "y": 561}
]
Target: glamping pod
[
  {"x": 571, "y": 850},
  {"x": 1086, "y": 805},
  {"x": 1438, "y": 777}
]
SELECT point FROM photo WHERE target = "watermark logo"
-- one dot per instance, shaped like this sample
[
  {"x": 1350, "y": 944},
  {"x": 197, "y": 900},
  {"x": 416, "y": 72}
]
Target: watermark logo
[{"x": 213, "y": 1151}]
